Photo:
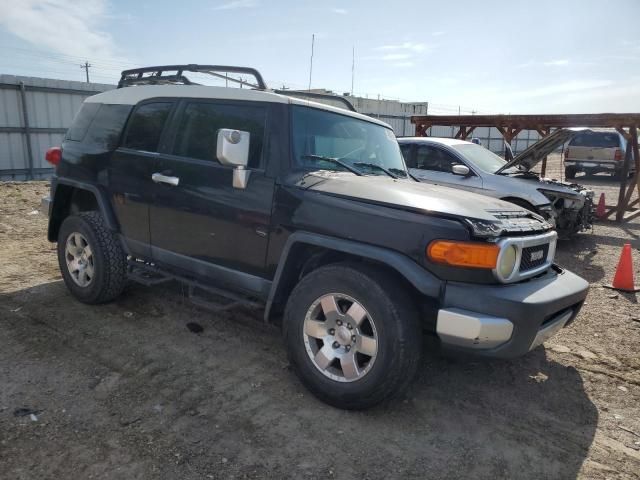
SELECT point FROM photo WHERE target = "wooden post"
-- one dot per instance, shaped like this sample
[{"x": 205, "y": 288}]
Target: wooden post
[
  {"x": 622, "y": 207},
  {"x": 633, "y": 131},
  {"x": 468, "y": 132},
  {"x": 543, "y": 170}
]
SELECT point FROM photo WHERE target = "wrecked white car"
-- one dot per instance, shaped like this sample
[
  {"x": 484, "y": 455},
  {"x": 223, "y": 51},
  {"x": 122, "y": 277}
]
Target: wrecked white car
[{"x": 466, "y": 165}]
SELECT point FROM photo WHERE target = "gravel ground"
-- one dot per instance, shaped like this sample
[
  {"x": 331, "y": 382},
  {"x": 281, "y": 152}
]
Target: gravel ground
[{"x": 126, "y": 390}]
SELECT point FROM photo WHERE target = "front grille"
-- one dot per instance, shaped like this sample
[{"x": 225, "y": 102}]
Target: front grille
[{"x": 534, "y": 257}]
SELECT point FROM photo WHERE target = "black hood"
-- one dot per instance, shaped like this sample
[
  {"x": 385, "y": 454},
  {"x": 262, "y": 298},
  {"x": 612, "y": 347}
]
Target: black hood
[{"x": 422, "y": 197}]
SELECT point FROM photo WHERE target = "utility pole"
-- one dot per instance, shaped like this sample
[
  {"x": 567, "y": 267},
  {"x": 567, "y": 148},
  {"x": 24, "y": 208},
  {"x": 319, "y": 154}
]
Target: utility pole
[
  {"x": 353, "y": 66},
  {"x": 313, "y": 39},
  {"x": 85, "y": 67}
]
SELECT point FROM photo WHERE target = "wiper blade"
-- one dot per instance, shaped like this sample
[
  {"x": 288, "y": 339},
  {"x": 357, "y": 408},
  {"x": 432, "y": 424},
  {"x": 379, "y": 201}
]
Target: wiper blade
[
  {"x": 337, "y": 161},
  {"x": 399, "y": 172},
  {"x": 375, "y": 165}
]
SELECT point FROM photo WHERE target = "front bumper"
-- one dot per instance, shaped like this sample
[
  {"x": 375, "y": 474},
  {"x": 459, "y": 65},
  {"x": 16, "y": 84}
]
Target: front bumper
[{"x": 507, "y": 321}]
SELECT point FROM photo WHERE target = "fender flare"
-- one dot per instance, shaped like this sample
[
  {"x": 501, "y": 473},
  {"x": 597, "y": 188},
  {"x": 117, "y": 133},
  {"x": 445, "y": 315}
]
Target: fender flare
[
  {"x": 99, "y": 193},
  {"x": 422, "y": 280}
]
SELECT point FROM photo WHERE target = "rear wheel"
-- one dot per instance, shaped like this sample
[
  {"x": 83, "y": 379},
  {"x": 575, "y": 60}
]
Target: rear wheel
[
  {"x": 570, "y": 172},
  {"x": 352, "y": 335},
  {"x": 91, "y": 259}
]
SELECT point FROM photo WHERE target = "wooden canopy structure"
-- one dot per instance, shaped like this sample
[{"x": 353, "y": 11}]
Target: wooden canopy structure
[{"x": 511, "y": 125}]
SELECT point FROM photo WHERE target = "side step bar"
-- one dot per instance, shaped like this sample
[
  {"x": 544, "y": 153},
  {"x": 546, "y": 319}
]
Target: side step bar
[
  {"x": 226, "y": 300},
  {"x": 198, "y": 293}
]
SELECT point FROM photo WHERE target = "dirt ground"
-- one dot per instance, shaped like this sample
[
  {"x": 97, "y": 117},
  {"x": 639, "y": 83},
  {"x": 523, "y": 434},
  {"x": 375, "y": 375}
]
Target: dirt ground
[{"x": 126, "y": 390}]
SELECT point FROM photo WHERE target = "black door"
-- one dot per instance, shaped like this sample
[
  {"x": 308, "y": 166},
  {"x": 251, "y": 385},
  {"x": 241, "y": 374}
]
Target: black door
[
  {"x": 202, "y": 224},
  {"x": 130, "y": 170}
]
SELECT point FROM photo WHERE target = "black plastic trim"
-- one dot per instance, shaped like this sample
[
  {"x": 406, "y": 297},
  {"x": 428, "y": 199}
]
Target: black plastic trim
[
  {"x": 426, "y": 283},
  {"x": 101, "y": 198},
  {"x": 223, "y": 276}
]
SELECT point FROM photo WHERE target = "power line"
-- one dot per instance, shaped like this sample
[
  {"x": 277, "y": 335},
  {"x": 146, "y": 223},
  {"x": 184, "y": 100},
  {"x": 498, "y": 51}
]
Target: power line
[{"x": 109, "y": 69}]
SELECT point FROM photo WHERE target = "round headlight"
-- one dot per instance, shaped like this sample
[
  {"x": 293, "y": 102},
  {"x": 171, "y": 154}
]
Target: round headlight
[{"x": 507, "y": 261}]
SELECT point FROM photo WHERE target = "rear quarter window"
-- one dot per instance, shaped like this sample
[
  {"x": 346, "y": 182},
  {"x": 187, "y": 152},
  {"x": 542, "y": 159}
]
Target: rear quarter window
[
  {"x": 107, "y": 125},
  {"x": 81, "y": 121},
  {"x": 146, "y": 125},
  {"x": 596, "y": 139}
]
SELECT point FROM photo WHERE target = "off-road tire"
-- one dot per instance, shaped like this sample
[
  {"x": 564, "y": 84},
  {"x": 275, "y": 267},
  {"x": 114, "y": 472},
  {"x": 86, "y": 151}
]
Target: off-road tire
[
  {"x": 398, "y": 330},
  {"x": 109, "y": 260}
]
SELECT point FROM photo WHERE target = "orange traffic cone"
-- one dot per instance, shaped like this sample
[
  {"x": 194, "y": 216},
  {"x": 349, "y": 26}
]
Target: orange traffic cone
[
  {"x": 623, "y": 279},
  {"x": 601, "y": 210}
]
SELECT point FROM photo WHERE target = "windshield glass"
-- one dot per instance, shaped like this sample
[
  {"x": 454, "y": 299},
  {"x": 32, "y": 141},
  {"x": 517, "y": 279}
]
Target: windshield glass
[
  {"x": 480, "y": 157},
  {"x": 596, "y": 140},
  {"x": 329, "y": 141}
]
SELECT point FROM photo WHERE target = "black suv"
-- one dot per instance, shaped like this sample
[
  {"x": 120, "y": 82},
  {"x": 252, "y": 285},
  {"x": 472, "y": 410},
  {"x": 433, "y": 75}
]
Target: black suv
[{"x": 308, "y": 210}]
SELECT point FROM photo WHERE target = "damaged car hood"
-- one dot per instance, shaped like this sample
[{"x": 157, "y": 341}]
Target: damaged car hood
[
  {"x": 533, "y": 155},
  {"x": 416, "y": 196}
]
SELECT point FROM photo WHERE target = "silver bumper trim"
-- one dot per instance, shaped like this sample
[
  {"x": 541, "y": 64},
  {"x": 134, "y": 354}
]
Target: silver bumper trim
[
  {"x": 465, "y": 328},
  {"x": 45, "y": 206},
  {"x": 550, "y": 329},
  {"x": 520, "y": 243}
]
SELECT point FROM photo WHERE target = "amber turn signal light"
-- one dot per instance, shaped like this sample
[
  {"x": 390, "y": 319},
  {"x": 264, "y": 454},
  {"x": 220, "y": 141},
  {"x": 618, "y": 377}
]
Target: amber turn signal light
[{"x": 464, "y": 254}]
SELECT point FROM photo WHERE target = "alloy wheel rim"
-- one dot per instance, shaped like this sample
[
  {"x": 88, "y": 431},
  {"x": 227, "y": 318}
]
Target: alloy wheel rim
[
  {"x": 340, "y": 337},
  {"x": 79, "y": 258}
]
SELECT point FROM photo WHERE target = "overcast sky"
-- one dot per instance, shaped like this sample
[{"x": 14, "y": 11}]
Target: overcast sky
[{"x": 495, "y": 56}]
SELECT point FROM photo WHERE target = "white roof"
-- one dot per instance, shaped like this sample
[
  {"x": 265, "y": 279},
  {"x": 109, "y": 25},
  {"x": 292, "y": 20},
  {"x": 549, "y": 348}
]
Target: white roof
[
  {"x": 440, "y": 140},
  {"x": 133, "y": 95}
]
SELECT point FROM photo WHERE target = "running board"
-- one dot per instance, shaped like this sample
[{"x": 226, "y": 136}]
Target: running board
[
  {"x": 226, "y": 300},
  {"x": 198, "y": 293},
  {"x": 146, "y": 275}
]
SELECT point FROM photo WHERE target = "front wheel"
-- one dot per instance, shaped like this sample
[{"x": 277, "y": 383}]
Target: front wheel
[
  {"x": 91, "y": 259},
  {"x": 352, "y": 335}
]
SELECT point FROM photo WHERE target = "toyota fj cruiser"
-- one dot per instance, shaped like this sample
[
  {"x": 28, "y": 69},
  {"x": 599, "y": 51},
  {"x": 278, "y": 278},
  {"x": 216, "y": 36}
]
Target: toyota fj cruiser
[{"x": 307, "y": 210}]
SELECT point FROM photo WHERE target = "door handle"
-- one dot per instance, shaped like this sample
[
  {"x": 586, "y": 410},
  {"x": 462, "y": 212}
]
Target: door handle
[{"x": 160, "y": 178}]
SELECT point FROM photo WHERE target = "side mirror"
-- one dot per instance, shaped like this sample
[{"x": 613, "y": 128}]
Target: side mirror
[
  {"x": 233, "y": 149},
  {"x": 460, "y": 170}
]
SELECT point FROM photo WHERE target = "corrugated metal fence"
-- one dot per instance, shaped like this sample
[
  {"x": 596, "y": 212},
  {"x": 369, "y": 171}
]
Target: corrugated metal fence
[{"x": 34, "y": 115}]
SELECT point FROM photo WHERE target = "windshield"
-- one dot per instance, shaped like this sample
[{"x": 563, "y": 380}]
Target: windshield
[
  {"x": 482, "y": 158},
  {"x": 330, "y": 141}
]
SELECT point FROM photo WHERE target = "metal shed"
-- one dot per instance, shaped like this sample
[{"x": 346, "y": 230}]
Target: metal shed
[{"x": 34, "y": 115}]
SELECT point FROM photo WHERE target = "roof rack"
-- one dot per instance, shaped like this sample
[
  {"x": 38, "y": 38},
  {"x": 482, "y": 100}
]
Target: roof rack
[
  {"x": 319, "y": 97},
  {"x": 173, "y": 75}
]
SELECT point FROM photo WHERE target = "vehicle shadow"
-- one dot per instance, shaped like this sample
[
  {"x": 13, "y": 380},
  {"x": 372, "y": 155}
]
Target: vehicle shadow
[
  {"x": 139, "y": 375},
  {"x": 524, "y": 418},
  {"x": 582, "y": 249}
]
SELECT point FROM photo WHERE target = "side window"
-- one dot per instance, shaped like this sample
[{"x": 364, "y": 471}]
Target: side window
[
  {"x": 427, "y": 158},
  {"x": 81, "y": 121},
  {"x": 145, "y": 126},
  {"x": 405, "y": 148},
  {"x": 107, "y": 126},
  {"x": 447, "y": 161},
  {"x": 434, "y": 159},
  {"x": 199, "y": 124}
]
